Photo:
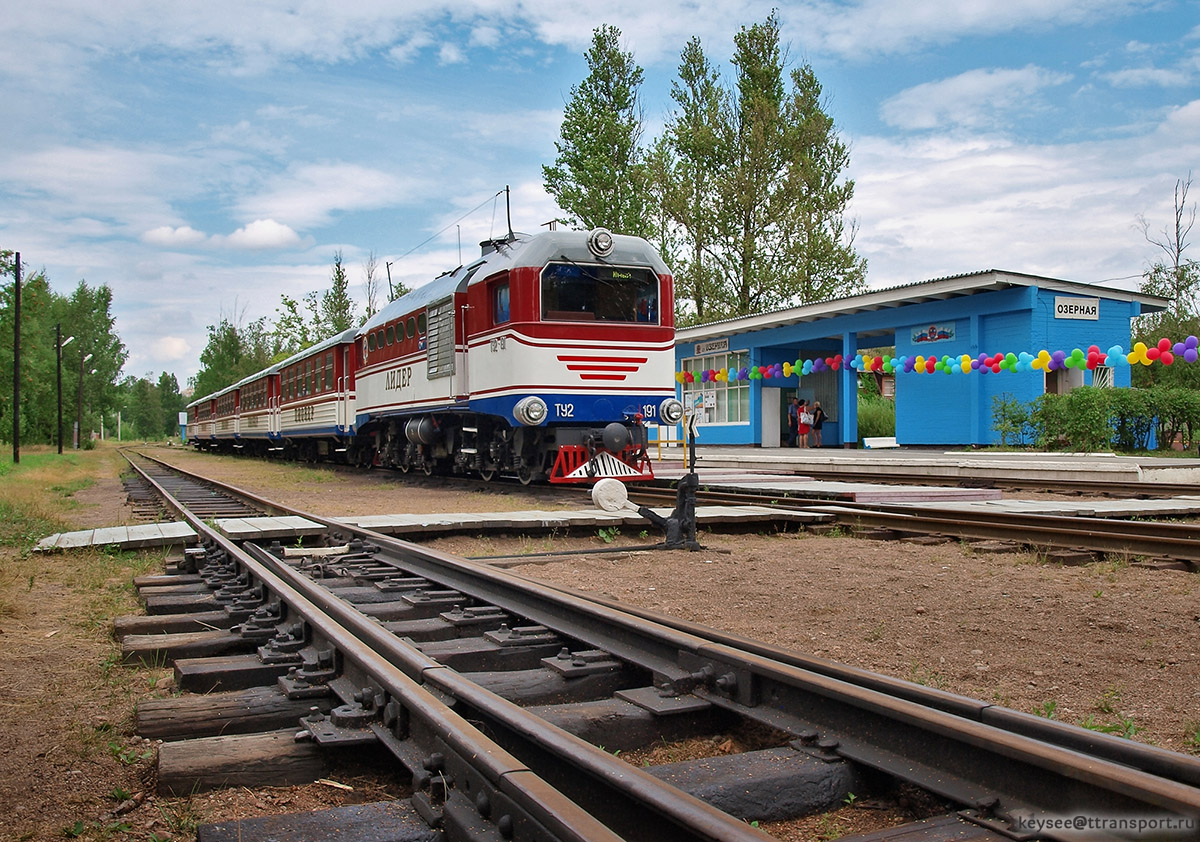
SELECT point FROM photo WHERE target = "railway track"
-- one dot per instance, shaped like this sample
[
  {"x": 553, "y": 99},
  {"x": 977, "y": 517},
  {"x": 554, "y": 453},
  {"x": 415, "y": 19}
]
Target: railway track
[
  {"x": 503, "y": 701},
  {"x": 1058, "y": 485},
  {"x": 1178, "y": 541}
]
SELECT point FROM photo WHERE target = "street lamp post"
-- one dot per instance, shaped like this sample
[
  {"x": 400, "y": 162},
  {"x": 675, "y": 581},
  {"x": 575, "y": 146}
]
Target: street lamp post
[
  {"x": 79, "y": 404},
  {"x": 59, "y": 344}
]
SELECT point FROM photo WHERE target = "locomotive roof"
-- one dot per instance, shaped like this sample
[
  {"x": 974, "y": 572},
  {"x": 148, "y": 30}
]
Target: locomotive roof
[
  {"x": 345, "y": 336},
  {"x": 521, "y": 250}
]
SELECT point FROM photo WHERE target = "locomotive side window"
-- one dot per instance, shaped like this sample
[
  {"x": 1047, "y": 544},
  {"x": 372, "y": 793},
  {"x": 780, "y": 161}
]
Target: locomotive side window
[
  {"x": 370, "y": 342},
  {"x": 410, "y": 327},
  {"x": 421, "y": 324},
  {"x": 391, "y": 334},
  {"x": 572, "y": 292},
  {"x": 500, "y": 310}
]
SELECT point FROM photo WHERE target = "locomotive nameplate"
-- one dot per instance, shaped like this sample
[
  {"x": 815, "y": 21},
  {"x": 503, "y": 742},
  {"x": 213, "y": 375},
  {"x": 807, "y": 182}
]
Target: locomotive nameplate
[{"x": 398, "y": 378}]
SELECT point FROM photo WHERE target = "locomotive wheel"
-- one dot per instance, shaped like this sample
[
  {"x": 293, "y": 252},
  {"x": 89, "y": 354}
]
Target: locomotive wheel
[
  {"x": 428, "y": 469},
  {"x": 487, "y": 474},
  {"x": 525, "y": 474},
  {"x": 404, "y": 466}
]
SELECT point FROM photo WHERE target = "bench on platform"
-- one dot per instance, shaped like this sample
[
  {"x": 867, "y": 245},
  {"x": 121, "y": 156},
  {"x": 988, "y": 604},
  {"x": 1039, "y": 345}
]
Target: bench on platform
[{"x": 876, "y": 442}]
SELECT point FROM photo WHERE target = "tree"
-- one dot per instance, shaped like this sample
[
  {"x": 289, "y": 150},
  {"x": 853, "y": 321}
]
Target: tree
[
  {"x": 599, "y": 177},
  {"x": 233, "y": 353},
  {"x": 172, "y": 403},
  {"x": 684, "y": 167},
  {"x": 755, "y": 186},
  {"x": 1178, "y": 278},
  {"x": 371, "y": 285},
  {"x": 1175, "y": 277},
  {"x": 337, "y": 308}
]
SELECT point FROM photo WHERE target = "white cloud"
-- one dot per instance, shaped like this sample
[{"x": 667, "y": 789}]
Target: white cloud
[
  {"x": 886, "y": 26},
  {"x": 451, "y": 54},
  {"x": 980, "y": 98},
  {"x": 937, "y": 205},
  {"x": 172, "y": 348},
  {"x": 310, "y": 194},
  {"x": 181, "y": 237},
  {"x": 263, "y": 234}
]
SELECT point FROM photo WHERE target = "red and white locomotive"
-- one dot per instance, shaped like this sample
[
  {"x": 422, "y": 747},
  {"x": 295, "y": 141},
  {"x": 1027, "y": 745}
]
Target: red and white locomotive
[{"x": 544, "y": 358}]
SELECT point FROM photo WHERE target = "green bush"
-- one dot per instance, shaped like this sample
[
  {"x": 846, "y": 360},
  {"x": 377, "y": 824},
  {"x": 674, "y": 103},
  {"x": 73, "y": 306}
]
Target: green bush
[
  {"x": 1010, "y": 418},
  {"x": 876, "y": 417},
  {"x": 1099, "y": 419},
  {"x": 1177, "y": 412},
  {"x": 1132, "y": 418}
]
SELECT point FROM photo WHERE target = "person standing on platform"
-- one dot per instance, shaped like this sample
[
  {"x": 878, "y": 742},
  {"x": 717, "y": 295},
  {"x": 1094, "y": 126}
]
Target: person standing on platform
[
  {"x": 793, "y": 420},
  {"x": 818, "y": 416},
  {"x": 804, "y": 423}
]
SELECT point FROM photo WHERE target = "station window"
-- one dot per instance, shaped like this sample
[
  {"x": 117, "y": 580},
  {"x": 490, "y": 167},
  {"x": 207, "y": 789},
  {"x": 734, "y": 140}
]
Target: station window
[
  {"x": 500, "y": 311},
  {"x": 719, "y": 402}
]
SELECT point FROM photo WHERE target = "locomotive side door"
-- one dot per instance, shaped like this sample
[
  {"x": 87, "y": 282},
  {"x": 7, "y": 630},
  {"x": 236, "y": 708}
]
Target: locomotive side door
[{"x": 343, "y": 390}]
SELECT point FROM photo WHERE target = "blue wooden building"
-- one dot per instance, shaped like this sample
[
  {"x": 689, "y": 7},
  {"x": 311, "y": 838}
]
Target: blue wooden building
[{"x": 985, "y": 313}]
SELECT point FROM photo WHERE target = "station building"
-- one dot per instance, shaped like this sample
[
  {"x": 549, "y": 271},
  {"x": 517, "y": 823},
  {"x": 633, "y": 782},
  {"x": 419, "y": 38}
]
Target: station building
[{"x": 985, "y": 312}]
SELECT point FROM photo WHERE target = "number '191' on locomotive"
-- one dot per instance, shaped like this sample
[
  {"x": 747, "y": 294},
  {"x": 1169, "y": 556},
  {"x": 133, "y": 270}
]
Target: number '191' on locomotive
[{"x": 544, "y": 359}]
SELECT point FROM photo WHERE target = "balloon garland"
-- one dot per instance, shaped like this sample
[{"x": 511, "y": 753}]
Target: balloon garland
[{"x": 1165, "y": 352}]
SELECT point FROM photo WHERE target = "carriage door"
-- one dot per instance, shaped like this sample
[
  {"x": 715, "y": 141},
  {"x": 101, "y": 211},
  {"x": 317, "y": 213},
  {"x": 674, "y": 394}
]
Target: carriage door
[
  {"x": 440, "y": 346},
  {"x": 343, "y": 391}
]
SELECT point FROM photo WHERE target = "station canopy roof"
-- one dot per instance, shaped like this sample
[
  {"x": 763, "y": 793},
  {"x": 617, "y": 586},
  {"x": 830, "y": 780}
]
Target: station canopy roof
[{"x": 904, "y": 295}]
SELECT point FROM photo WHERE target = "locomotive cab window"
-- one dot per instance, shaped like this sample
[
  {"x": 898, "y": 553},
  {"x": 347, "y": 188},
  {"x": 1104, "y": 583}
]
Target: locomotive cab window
[
  {"x": 500, "y": 311},
  {"x": 572, "y": 292}
]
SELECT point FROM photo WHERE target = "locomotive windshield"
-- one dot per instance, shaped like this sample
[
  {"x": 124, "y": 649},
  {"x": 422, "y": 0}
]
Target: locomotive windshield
[{"x": 573, "y": 292}]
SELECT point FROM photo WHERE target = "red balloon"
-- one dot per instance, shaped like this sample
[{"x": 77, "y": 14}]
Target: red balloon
[
  {"x": 1164, "y": 344},
  {"x": 1153, "y": 353},
  {"x": 1166, "y": 358},
  {"x": 995, "y": 368}
]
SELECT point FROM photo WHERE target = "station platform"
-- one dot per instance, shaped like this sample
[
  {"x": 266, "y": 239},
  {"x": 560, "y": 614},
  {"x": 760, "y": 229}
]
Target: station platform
[{"x": 1119, "y": 471}]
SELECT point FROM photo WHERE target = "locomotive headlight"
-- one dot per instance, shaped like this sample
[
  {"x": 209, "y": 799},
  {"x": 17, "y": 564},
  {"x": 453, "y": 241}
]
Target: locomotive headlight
[
  {"x": 530, "y": 411},
  {"x": 671, "y": 411},
  {"x": 600, "y": 241}
]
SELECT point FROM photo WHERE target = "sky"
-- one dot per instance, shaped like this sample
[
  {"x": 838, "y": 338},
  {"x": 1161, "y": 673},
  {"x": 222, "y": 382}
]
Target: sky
[{"x": 203, "y": 159}]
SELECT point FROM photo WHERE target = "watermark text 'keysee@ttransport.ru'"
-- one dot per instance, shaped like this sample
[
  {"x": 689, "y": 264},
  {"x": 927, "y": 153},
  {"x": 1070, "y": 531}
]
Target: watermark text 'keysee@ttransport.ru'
[{"x": 1150, "y": 826}]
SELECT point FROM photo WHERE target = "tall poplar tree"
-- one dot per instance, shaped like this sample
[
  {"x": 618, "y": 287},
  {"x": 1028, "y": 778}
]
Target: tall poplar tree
[
  {"x": 756, "y": 185},
  {"x": 688, "y": 163},
  {"x": 337, "y": 307},
  {"x": 599, "y": 177}
]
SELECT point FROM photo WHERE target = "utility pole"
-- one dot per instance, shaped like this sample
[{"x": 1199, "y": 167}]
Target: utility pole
[
  {"x": 16, "y": 404},
  {"x": 391, "y": 295}
]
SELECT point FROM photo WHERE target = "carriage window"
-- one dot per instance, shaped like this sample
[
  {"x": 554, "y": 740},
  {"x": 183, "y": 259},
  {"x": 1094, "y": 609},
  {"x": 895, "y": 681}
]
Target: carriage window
[
  {"x": 329, "y": 371},
  {"x": 391, "y": 334},
  {"x": 571, "y": 292},
  {"x": 500, "y": 312}
]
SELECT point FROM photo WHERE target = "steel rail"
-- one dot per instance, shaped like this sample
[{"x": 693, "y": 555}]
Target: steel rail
[
  {"x": 1082, "y": 487},
  {"x": 1100, "y": 534},
  {"x": 1139, "y": 755},
  {"x": 629, "y": 799},
  {"x": 973, "y": 763},
  {"x": 995, "y": 770}
]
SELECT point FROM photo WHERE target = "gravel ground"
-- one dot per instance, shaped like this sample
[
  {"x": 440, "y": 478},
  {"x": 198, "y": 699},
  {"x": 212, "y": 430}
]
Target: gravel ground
[{"x": 1109, "y": 644}]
